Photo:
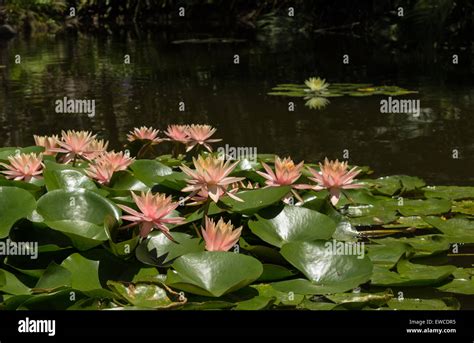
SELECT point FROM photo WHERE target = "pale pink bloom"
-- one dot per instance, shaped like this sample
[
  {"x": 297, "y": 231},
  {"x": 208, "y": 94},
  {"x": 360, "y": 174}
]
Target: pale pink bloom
[
  {"x": 333, "y": 176},
  {"x": 144, "y": 133},
  {"x": 96, "y": 148},
  {"x": 210, "y": 179},
  {"x": 48, "y": 143},
  {"x": 24, "y": 167},
  {"x": 200, "y": 135},
  {"x": 178, "y": 133},
  {"x": 221, "y": 236},
  {"x": 74, "y": 143},
  {"x": 117, "y": 160},
  {"x": 286, "y": 172},
  {"x": 242, "y": 185},
  {"x": 154, "y": 213},
  {"x": 100, "y": 171}
]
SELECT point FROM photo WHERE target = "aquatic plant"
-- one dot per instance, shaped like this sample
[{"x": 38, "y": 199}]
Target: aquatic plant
[{"x": 135, "y": 222}]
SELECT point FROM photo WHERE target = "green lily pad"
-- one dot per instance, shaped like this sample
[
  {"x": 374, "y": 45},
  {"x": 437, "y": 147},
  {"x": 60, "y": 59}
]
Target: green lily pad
[
  {"x": 449, "y": 192},
  {"x": 58, "y": 176},
  {"x": 289, "y": 298},
  {"x": 273, "y": 272},
  {"x": 79, "y": 214},
  {"x": 387, "y": 255},
  {"x": 15, "y": 203},
  {"x": 54, "y": 276},
  {"x": 255, "y": 200},
  {"x": 410, "y": 274},
  {"x": 256, "y": 303},
  {"x": 12, "y": 151},
  {"x": 465, "y": 207},
  {"x": 293, "y": 224},
  {"x": 149, "y": 295},
  {"x": 463, "y": 282},
  {"x": 421, "y": 245},
  {"x": 10, "y": 284},
  {"x": 456, "y": 230},
  {"x": 149, "y": 172},
  {"x": 167, "y": 250},
  {"x": 424, "y": 304},
  {"x": 327, "y": 266},
  {"x": 213, "y": 273},
  {"x": 424, "y": 207},
  {"x": 359, "y": 300}
]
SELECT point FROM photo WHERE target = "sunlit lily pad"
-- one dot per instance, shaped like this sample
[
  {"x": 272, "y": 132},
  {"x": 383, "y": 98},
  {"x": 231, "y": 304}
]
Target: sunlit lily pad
[
  {"x": 254, "y": 200},
  {"x": 318, "y": 262},
  {"x": 449, "y": 192},
  {"x": 166, "y": 250},
  {"x": 463, "y": 282},
  {"x": 293, "y": 224},
  {"x": 212, "y": 273},
  {"x": 456, "y": 230},
  {"x": 79, "y": 214}
]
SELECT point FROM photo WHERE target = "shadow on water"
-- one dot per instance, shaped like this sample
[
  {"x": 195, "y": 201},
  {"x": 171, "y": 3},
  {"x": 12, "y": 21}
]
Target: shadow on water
[{"x": 233, "y": 97}]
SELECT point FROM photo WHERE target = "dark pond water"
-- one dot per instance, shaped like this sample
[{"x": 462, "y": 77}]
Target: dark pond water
[{"x": 233, "y": 97}]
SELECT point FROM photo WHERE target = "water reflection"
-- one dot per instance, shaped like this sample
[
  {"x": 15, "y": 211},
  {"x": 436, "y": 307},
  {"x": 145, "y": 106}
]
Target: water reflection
[{"x": 233, "y": 97}]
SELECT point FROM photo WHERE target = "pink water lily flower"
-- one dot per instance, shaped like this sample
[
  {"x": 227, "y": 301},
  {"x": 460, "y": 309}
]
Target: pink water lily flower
[
  {"x": 178, "y": 133},
  {"x": 210, "y": 179},
  {"x": 334, "y": 176},
  {"x": 96, "y": 149},
  {"x": 100, "y": 171},
  {"x": 23, "y": 167},
  {"x": 74, "y": 144},
  {"x": 200, "y": 135},
  {"x": 117, "y": 160},
  {"x": 48, "y": 143},
  {"x": 144, "y": 133},
  {"x": 286, "y": 172},
  {"x": 221, "y": 236},
  {"x": 154, "y": 213}
]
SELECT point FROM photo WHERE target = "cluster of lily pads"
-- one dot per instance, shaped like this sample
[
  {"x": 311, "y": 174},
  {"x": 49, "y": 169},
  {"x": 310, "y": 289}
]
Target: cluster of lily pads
[
  {"x": 191, "y": 230},
  {"x": 317, "y": 91}
]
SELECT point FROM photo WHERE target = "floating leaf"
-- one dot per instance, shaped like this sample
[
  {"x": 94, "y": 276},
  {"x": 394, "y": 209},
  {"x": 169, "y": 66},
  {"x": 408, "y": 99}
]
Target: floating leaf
[
  {"x": 449, "y": 192},
  {"x": 149, "y": 295},
  {"x": 79, "y": 214},
  {"x": 424, "y": 207},
  {"x": 424, "y": 304},
  {"x": 326, "y": 266},
  {"x": 167, "y": 250},
  {"x": 456, "y": 230},
  {"x": 15, "y": 203},
  {"x": 254, "y": 200},
  {"x": 273, "y": 272},
  {"x": 149, "y": 172},
  {"x": 256, "y": 303},
  {"x": 212, "y": 273},
  {"x": 10, "y": 284},
  {"x": 293, "y": 224}
]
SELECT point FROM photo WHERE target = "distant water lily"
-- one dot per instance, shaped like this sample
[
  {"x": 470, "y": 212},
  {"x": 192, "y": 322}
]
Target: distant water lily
[
  {"x": 144, "y": 133},
  {"x": 221, "y": 236},
  {"x": 74, "y": 144},
  {"x": 210, "y": 179},
  {"x": 316, "y": 84},
  {"x": 23, "y": 167},
  {"x": 178, "y": 133},
  {"x": 48, "y": 143},
  {"x": 155, "y": 210},
  {"x": 317, "y": 102},
  {"x": 334, "y": 176},
  {"x": 200, "y": 135}
]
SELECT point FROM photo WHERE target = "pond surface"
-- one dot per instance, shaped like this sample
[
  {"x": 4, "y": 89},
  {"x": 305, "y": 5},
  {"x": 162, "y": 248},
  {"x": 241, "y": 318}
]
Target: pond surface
[{"x": 233, "y": 97}]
